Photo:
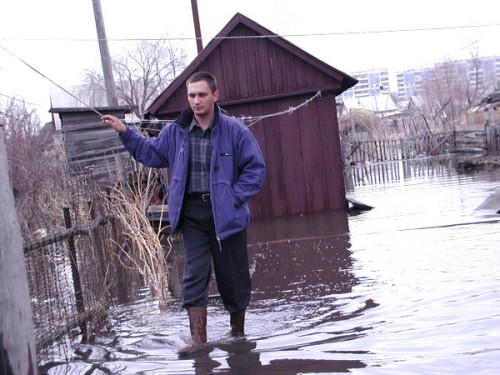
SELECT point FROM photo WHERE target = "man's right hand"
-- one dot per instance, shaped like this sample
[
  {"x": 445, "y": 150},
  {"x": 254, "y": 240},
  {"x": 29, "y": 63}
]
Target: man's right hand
[{"x": 114, "y": 122}]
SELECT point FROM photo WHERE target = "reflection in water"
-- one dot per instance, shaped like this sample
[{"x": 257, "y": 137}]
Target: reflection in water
[
  {"x": 410, "y": 286},
  {"x": 381, "y": 173},
  {"x": 301, "y": 267},
  {"x": 302, "y": 258}
]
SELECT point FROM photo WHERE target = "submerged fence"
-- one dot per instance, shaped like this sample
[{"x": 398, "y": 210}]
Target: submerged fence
[
  {"x": 73, "y": 276},
  {"x": 396, "y": 171},
  {"x": 357, "y": 151},
  {"x": 493, "y": 137}
]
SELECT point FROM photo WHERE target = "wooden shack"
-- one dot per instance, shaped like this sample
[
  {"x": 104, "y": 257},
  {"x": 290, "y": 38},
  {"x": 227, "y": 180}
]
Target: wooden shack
[
  {"x": 91, "y": 147},
  {"x": 262, "y": 74}
]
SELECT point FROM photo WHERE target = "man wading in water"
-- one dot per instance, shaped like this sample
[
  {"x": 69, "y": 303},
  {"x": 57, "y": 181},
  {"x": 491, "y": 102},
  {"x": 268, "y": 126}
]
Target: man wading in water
[{"x": 216, "y": 167}]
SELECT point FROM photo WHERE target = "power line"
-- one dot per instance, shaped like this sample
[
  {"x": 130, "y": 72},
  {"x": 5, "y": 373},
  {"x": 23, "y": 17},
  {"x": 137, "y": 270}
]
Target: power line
[
  {"x": 251, "y": 120},
  {"x": 50, "y": 80},
  {"x": 270, "y": 36},
  {"x": 18, "y": 100}
]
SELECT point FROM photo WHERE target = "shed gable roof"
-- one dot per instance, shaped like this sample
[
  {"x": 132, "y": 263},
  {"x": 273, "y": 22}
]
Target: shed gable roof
[{"x": 251, "y": 64}]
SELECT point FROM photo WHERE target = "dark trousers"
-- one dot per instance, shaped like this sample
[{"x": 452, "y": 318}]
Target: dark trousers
[{"x": 201, "y": 247}]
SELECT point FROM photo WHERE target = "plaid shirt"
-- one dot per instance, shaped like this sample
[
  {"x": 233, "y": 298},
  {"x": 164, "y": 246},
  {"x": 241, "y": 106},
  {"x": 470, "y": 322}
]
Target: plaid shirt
[{"x": 200, "y": 153}]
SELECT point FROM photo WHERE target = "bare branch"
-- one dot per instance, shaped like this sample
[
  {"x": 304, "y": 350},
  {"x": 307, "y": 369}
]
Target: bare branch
[{"x": 142, "y": 73}]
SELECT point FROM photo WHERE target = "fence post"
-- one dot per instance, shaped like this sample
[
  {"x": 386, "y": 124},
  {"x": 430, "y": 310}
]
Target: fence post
[
  {"x": 80, "y": 306},
  {"x": 17, "y": 332},
  {"x": 120, "y": 168}
]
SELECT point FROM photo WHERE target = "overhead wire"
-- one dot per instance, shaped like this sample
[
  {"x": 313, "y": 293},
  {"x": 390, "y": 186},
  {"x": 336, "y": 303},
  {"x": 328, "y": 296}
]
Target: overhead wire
[
  {"x": 255, "y": 119},
  {"x": 338, "y": 33},
  {"x": 251, "y": 120},
  {"x": 10, "y": 97},
  {"x": 50, "y": 80}
]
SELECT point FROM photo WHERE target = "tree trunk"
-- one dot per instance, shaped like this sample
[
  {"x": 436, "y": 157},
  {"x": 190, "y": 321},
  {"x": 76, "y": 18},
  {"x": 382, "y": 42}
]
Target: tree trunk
[{"x": 17, "y": 340}]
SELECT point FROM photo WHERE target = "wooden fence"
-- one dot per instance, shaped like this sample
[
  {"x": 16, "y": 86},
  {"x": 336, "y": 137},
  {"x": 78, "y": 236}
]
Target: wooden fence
[
  {"x": 395, "y": 171},
  {"x": 493, "y": 137},
  {"x": 397, "y": 149},
  {"x": 73, "y": 277}
]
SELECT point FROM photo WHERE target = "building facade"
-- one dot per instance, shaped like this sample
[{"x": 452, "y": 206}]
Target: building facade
[
  {"x": 482, "y": 72},
  {"x": 370, "y": 83}
]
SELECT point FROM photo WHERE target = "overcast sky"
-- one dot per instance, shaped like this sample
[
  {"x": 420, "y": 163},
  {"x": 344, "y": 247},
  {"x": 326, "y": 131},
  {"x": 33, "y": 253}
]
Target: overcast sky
[{"x": 58, "y": 37}]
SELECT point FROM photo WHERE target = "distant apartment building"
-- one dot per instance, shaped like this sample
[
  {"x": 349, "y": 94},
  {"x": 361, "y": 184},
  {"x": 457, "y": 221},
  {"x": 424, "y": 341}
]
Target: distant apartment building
[
  {"x": 483, "y": 71},
  {"x": 371, "y": 83}
]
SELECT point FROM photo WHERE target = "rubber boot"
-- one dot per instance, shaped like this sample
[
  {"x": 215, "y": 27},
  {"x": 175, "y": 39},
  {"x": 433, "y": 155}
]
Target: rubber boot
[
  {"x": 198, "y": 328},
  {"x": 238, "y": 324}
]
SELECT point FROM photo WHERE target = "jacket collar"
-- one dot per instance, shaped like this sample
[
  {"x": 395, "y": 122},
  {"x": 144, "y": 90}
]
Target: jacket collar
[{"x": 186, "y": 117}]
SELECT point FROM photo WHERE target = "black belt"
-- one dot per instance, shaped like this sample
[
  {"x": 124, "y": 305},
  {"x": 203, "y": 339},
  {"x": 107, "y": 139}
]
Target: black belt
[{"x": 205, "y": 197}]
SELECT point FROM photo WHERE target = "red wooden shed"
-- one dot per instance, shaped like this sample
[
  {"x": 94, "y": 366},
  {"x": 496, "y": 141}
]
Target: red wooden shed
[{"x": 259, "y": 74}]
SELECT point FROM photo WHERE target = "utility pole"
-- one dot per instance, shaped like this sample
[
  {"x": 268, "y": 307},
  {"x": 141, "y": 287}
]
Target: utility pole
[
  {"x": 107, "y": 67},
  {"x": 17, "y": 332},
  {"x": 197, "y": 28}
]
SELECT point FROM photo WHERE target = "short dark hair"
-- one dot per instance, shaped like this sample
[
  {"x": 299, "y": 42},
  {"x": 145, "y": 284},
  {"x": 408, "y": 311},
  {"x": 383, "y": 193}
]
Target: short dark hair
[{"x": 203, "y": 76}]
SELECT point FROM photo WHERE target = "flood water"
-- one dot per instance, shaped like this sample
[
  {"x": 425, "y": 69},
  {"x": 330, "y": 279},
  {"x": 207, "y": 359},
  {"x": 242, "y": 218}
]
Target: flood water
[{"x": 409, "y": 287}]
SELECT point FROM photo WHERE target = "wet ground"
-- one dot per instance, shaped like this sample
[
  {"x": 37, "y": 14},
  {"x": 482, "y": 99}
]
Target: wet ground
[{"x": 411, "y": 286}]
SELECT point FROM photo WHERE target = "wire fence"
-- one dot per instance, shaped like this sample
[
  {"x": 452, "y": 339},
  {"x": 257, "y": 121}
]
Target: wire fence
[{"x": 73, "y": 276}]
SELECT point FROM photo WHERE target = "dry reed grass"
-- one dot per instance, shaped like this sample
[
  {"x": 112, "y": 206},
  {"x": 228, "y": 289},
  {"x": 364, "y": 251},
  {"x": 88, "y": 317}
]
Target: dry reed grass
[{"x": 141, "y": 243}]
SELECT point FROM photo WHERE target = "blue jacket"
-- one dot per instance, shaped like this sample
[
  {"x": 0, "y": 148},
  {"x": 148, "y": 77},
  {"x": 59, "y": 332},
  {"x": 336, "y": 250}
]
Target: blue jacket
[{"x": 237, "y": 167}]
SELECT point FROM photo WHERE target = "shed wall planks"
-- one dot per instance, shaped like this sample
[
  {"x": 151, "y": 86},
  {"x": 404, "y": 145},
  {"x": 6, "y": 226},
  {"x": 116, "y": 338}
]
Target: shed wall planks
[
  {"x": 265, "y": 75},
  {"x": 90, "y": 146}
]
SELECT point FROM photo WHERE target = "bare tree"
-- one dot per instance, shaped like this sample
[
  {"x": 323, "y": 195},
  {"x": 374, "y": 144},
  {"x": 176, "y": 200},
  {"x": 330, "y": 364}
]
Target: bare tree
[
  {"x": 35, "y": 165},
  {"x": 477, "y": 81},
  {"x": 439, "y": 95},
  {"x": 451, "y": 89},
  {"x": 17, "y": 341},
  {"x": 141, "y": 74}
]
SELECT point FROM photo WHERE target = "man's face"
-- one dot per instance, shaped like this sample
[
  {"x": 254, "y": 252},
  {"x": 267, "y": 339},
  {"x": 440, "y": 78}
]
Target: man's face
[{"x": 201, "y": 98}]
